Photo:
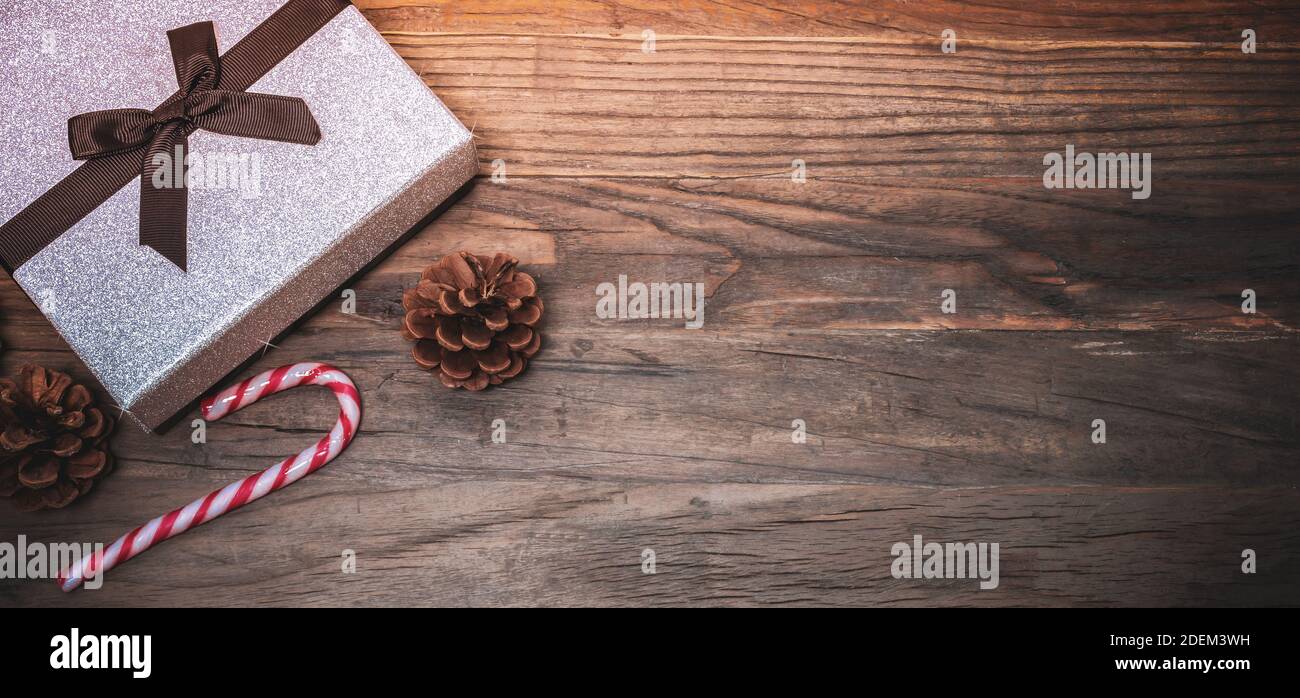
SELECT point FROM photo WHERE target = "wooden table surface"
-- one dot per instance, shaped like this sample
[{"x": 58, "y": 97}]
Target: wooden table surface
[{"x": 924, "y": 173}]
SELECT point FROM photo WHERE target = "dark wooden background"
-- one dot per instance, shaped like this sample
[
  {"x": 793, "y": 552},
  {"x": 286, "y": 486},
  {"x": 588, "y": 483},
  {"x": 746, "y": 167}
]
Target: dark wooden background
[{"x": 924, "y": 173}]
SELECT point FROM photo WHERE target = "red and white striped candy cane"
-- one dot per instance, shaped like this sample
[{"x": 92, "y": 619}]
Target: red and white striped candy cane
[{"x": 237, "y": 494}]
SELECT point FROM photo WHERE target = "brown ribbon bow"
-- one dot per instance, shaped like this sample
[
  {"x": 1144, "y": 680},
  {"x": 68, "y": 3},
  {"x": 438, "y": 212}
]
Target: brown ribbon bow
[
  {"x": 199, "y": 105},
  {"x": 119, "y": 145}
]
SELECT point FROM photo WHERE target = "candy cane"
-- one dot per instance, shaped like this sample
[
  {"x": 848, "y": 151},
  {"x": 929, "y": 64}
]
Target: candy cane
[{"x": 237, "y": 494}]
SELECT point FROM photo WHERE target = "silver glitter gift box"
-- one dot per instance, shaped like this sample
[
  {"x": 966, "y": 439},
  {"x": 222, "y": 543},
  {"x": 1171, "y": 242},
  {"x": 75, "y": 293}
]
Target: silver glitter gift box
[{"x": 279, "y": 230}]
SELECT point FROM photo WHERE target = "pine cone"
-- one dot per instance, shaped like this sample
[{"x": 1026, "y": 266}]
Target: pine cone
[
  {"x": 473, "y": 320},
  {"x": 53, "y": 439}
]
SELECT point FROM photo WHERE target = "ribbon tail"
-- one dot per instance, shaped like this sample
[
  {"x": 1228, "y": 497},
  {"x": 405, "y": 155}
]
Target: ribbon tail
[{"x": 164, "y": 200}]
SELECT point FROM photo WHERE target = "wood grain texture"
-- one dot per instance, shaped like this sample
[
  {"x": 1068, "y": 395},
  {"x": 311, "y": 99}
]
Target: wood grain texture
[
  {"x": 1043, "y": 20},
  {"x": 877, "y": 254},
  {"x": 566, "y": 541},
  {"x": 741, "y": 107},
  {"x": 919, "y": 408},
  {"x": 924, "y": 174}
]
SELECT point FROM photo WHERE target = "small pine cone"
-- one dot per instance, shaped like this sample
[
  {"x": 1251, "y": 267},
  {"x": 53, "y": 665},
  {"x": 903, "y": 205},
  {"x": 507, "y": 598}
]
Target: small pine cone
[
  {"x": 53, "y": 439},
  {"x": 473, "y": 320}
]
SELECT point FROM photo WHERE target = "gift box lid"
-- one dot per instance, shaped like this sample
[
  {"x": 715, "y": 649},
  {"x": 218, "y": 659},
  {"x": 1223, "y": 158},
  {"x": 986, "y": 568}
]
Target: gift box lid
[{"x": 295, "y": 223}]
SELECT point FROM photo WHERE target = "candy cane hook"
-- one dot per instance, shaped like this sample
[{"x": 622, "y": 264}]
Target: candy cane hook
[{"x": 237, "y": 494}]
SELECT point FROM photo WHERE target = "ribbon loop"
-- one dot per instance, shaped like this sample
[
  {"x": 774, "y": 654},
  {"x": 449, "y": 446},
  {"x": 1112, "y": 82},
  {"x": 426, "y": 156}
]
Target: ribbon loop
[{"x": 254, "y": 115}]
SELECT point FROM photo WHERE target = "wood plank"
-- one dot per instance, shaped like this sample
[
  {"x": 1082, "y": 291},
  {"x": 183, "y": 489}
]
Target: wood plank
[
  {"x": 571, "y": 542},
  {"x": 877, "y": 254},
  {"x": 663, "y": 404},
  {"x": 592, "y": 106},
  {"x": 1061, "y": 20},
  {"x": 873, "y": 254}
]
